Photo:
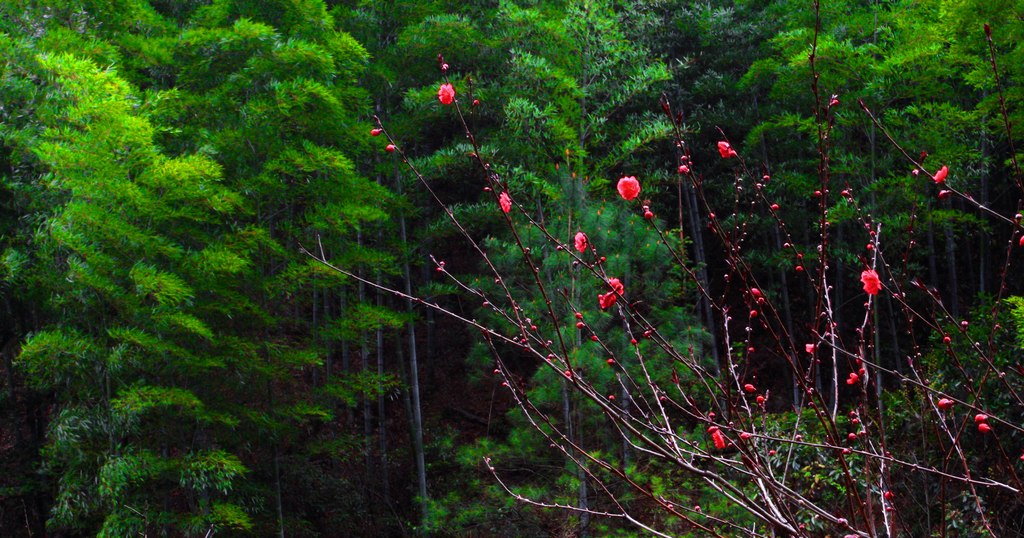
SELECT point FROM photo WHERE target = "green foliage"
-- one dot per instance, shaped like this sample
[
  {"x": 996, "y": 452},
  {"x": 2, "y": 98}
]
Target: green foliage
[
  {"x": 162, "y": 163},
  {"x": 160, "y": 239},
  {"x": 567, "y": 129},
  {"x": 1016, "y": 312}
]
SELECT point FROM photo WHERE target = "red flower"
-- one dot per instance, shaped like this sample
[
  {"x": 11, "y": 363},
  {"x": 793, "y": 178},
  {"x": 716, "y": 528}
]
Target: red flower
[
  {"x": 945, "y": 404},
  {"x": 872, "y": 285},
  {"x": 608, "y": 299},
  {"x": 940, "y": 176},
  {"x": 505, "y": 202},
  {"x": 725, "y": 150},
  {"x": 717, "y": 437},
  {"x": 446, "y": 94},
  {"x": 581, "y": 241},
  {"x": 628, "y": 187}
]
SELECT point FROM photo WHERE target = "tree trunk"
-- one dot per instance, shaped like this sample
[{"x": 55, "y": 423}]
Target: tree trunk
[
  {"x": 7, "y": 352},
  {"x": 954, "y": 299},
  {"x": 315, "y": 370},
  {"x": 431, "y": 323},
  {"x": 382, "y": 425},
  {"x": 983, "y": 238},
  {"x": 896, "y": 354},
  {"x": 346, "y": 357},
  {"x": 278, "y": 498},
  {"x": 328, "y": 343},
  {"x": 414, "y": 376},
  {"x": 933, "y": 271},
  {"x": 787, "y": 320},
  {"x": 700, "y": 260},
  {"x": 364, "y": 367}
]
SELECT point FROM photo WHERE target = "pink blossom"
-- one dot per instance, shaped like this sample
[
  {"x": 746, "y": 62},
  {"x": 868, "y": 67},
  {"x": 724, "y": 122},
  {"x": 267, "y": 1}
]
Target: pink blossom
[
  {"x": 872, "y": 285},
  {"x": 628, "y": 187},
  {"x": 717, "y": 437},
  {"x": 446, "y": 94},
  {"x": 940, "y": 176},
  {"x": 581, "y": 241},
  {"x": 725, "y": 150},
  {"x": 505, "y": 202},
  {"x": 608, "y": 299}
]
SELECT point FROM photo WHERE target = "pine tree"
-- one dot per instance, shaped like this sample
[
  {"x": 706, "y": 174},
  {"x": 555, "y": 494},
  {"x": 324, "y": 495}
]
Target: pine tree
[{"x": 568, "y": 98}]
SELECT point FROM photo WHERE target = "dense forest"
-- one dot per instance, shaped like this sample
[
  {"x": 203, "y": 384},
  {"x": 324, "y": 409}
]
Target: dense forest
[{"x": 511, "y": 268}]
